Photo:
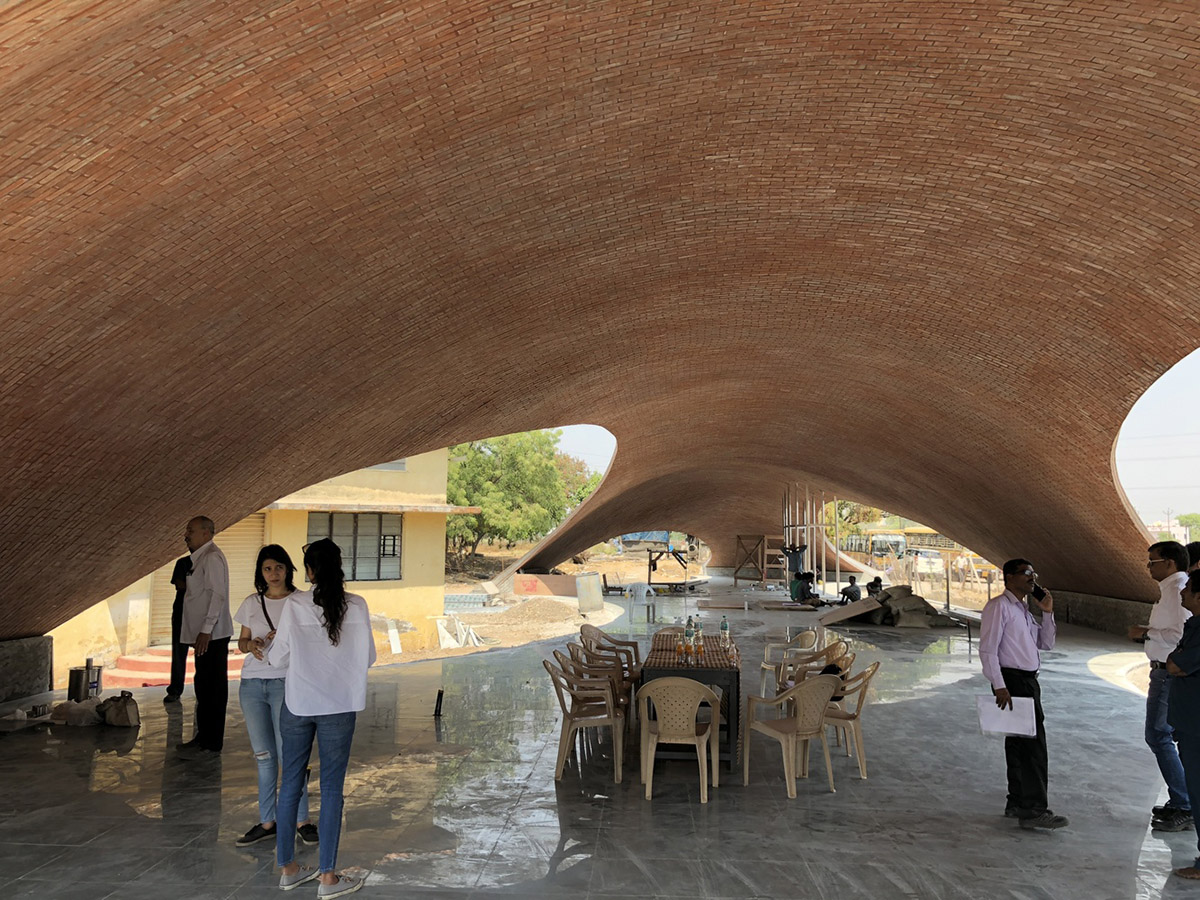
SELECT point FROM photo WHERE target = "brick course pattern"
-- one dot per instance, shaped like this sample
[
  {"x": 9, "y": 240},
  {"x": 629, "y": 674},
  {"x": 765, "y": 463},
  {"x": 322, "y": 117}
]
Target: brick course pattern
[{"x": 921, "y": 254}]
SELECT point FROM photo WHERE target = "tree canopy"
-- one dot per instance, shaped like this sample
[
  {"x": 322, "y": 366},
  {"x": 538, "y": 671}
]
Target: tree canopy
[
  {"x": 523, "y": 483},
  {"x": 1192, "y": 521}
]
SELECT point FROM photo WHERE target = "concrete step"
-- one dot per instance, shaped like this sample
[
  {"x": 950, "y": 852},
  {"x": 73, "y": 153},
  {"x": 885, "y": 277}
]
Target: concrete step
[
  {"x": 153, "y": 667},
  {"x": 131, "y": 678},
  {"x": 156, "y": 662}
]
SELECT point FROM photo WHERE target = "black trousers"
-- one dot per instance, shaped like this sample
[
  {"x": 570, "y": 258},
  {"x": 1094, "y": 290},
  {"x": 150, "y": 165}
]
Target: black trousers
[
  {"x": 179, "y": 653},
  {"x": 1028, "y": 765},
  {"x": 211, "y": 684}
]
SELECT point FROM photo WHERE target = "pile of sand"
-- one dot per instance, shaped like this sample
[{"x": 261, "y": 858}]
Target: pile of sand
[{"x": 536, "y": 619}]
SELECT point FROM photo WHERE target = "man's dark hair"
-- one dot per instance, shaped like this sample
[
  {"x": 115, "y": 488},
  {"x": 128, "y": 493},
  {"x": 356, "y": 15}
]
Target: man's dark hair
[
  {"x": 1010, "y": 567},
  {"x": 1193, "y": 550},
  {"x": 1174, "y": 551},
  {"x": 852, "y": 579}
]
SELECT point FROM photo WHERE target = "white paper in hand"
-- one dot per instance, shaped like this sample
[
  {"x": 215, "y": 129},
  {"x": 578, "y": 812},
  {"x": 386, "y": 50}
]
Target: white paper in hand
[{"x": 1019, "y": 720}]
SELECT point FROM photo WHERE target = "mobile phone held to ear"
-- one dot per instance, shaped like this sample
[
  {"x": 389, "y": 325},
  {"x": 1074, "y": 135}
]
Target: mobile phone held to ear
[{"x": 1039, "y": 592}]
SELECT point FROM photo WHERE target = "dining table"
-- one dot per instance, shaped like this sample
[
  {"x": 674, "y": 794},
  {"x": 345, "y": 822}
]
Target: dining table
[{"x": 719, "y": 667}]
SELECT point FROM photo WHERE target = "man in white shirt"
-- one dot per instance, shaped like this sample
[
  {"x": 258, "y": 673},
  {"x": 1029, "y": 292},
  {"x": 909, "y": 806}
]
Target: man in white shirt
[
  {"x": 207, "y": 626},
  {"x": 1167, "y": 564}
]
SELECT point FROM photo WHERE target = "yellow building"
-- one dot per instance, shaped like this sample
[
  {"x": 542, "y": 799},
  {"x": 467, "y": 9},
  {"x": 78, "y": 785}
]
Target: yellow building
[{"x": 389, "y": 520}]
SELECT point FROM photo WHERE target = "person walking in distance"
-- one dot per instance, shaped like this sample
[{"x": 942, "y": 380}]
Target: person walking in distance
[
  {"x": 179, "y": 650},
  {"x": 324, "y": 638},
  {"x": 1010, "y": 639},
  {"x": 1167, "y": 563},
  {"x": 260, "y": 690},
  {"x": 207, "y": 626}
]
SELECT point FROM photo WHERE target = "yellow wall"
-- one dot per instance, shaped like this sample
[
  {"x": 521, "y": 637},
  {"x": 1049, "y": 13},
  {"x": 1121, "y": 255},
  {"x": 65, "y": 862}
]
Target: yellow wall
[
  {"x": 422, "y": 481},
  {"x": 121, "y": 624},
  {"x": 412, "y": 599},
  {"x": 117, "y": 625}
]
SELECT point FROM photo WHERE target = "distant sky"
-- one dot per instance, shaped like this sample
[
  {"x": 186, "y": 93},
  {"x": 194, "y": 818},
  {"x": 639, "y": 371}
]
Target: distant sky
[{"x": 1158, "y": 451}]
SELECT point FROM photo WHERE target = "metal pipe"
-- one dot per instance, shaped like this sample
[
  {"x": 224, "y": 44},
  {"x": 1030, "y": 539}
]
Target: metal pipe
[{"x": 837, "y": 544}]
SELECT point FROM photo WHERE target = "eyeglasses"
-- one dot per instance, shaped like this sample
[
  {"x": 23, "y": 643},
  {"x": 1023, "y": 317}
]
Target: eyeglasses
[
  {"x": 1153, "y": 561},
  {"x": 1026, "y": 572}
]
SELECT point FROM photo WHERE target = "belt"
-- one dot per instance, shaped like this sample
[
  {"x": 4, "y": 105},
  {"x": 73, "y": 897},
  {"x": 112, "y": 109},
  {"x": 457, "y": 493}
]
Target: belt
[{"x": 1155, "y": 664}]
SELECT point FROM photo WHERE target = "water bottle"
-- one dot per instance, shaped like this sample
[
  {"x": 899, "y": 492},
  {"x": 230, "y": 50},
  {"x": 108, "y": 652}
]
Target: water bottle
[
  {"x": 689, "y": 640},
  {"x": 724, "y": 631}
]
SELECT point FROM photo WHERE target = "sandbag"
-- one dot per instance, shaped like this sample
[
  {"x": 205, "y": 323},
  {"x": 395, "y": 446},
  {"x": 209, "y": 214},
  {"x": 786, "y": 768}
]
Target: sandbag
[{"x": 121, "y": 711}]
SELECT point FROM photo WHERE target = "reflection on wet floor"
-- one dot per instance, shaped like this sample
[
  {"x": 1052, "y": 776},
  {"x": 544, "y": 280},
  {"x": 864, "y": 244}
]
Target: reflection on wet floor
[{"x": 467, "y": 804}]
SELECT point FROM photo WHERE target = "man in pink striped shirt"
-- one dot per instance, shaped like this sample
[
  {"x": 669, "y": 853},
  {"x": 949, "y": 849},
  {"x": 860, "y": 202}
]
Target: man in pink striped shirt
[{"x": 1010, "y": 639}]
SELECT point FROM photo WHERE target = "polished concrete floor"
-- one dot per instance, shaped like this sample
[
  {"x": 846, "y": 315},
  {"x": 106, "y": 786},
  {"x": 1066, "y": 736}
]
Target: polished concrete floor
[{"x": 468, "y": 805}]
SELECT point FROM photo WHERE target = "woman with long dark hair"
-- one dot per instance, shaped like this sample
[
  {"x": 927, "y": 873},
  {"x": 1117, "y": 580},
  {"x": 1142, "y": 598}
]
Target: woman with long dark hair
[
  {"x": 262, "y": 686},
  {"x": 324, "y": 639}
]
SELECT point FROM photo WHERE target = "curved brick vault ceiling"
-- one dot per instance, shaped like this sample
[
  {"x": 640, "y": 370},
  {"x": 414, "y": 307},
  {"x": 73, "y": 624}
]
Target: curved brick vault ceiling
[{"x": 925, "y": 255}]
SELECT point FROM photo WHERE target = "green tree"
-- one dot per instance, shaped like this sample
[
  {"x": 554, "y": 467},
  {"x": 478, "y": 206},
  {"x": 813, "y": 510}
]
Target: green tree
[
  {"x": 515, "y": 481},
  {"x": 577, "y": 480},
  {"x": 851, "y": 517},
  {"x": 1192, "y": 521}
]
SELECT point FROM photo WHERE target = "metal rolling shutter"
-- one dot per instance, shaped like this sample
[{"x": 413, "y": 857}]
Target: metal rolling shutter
[{"x": 240, "y": 544}]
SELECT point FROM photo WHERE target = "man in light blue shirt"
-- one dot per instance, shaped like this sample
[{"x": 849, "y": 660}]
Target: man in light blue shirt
[{"x": 1010, "y": 639}]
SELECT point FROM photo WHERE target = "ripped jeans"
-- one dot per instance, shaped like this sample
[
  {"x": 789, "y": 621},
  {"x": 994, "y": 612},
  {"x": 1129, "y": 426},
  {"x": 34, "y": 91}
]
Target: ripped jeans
[{"x": 262, "y": 699}]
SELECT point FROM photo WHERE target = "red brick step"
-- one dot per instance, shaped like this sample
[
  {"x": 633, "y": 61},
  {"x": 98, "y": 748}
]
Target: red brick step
[{"x": 154, "y": 668}]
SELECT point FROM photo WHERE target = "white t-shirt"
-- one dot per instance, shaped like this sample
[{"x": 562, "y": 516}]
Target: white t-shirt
[
  {"x": 250, "y": 614},
  {"x": 323, "y": 679}
]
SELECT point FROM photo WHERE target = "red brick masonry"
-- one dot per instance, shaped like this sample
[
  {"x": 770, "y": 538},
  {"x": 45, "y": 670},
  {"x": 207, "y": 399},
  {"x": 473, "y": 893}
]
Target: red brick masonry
[{"x": 921, "y": 254}]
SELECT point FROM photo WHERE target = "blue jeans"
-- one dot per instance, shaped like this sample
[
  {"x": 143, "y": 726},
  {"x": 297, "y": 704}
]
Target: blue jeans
[
  {"x": 262, "y": 699},
  {"x": 334, "y": 734},
  {"x": 1159, "y": 737}
]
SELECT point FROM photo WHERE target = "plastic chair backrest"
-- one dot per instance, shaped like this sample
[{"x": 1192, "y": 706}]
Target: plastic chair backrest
[
  {"x": 856, "y": 686},
  {"x": 809, "y": 700},
  {"x": 844, "y": 662},
  {"x": 556, "y": 677},
  {"x": 676, "y": 701}
]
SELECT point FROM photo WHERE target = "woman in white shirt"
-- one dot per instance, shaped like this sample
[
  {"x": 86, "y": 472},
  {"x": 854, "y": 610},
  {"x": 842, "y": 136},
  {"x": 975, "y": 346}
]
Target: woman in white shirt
[
  {"x": 324, "y": 638},
  {"x": 261, "y": 688}
]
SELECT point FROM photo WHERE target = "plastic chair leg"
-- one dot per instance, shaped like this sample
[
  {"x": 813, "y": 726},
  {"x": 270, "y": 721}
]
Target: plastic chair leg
[
  {"x": 565, "y": 741},
  {"x": 828, "y": 763},
  {"x": 702, "y": 759},
  {"x": 648, "y": 765},
  {"x": 618, "y": 751},
  {"x": 789, "y": 765}
]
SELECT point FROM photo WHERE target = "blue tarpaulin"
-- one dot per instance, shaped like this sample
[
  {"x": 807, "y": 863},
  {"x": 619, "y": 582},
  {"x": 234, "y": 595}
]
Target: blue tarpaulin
[{"x": 662, "y": 537}]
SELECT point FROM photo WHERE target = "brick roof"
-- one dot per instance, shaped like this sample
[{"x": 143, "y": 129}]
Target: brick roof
[{"x": 921, "y": 254}]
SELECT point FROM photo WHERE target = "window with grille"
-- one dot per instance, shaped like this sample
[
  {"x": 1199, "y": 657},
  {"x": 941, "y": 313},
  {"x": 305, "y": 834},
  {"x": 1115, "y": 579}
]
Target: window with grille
[{"x": 370, "y": 542}]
